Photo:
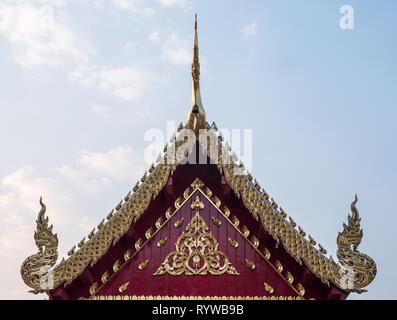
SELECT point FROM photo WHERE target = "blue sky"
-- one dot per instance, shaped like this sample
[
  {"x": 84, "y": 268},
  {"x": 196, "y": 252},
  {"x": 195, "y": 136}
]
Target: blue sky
[{"x": 78, "y": 95}]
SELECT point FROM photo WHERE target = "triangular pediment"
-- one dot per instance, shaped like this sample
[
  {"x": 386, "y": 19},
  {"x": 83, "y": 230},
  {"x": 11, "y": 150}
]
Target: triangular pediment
[{"x": 200, "y": 249}]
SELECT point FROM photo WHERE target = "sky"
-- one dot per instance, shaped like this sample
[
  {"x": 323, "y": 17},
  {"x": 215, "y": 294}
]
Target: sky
[{"x": 83, "y": 81}]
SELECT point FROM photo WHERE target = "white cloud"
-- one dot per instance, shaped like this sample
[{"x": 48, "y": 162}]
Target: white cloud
[
  {"x": 169, "y": 3},
  {"x": 127, "y": 83},
  {"x": 249, "y": 30},
  {"x": 135, "y": 6},
  {"x": 97, "y": 169},
  {"x": 177, "y": 50},
  {"x": 154, "y": 37},
  {"x": 39, "y": 37}
]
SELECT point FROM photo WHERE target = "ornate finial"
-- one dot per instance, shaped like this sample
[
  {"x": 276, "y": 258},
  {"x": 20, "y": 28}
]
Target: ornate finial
[
  {"x": 196, "y": 116},
  {"x": 362, "y": 268},
  {"x": 36, "y": 267}
]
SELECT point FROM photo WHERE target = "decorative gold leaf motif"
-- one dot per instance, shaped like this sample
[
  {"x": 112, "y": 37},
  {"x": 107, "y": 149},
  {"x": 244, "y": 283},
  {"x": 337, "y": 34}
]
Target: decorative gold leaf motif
[
  {"x": 235, "y": 221},
  {"x": 118, "y": 207},
  {"x": 292, "y": 222},
  {"x": 245, "y": 231},
  {"x": 197, "y": 203},
  {"x": 143, "y": 264},
  {"x": 268, "y": 288},
  {"x": 302, "y": 233},
  {"x": 105, "y": 277},
  {"x": 322, "y": 249},
  {"x": 208, "y": 192},
  {"x": 71, "y": 251},
  {"x": 116, "y": 266},
  {"x": 159, "y": 222},
  {"x": 110, "y": 215},
  {"x": 266, "y": 253},
  {"x": 123, "y": 287},
  {"x": 250, "y": 264},
  {"x": 217, "y": 202},
  {"x": 93, "y": 288},
  {"x": 312, "y": 241},
  {"x": 196, "y": 253},
  {"x": 178, "y": 202},
  {"x": 197, "y": 184},
  {"x": 233, "y": 243},
  {"x": 81, "y": 243},
  {"x": 255, "y": 241},
  {"x": 289, "y": 277},
  {"x": 300, "y": 289},
  {"x": 100, "y": 225},
  {"x": 226, "y": 212},
  {"x": 162, "y": 242},
  {"x": 149, "y": 233},
  {"x": 168, "y": 213},
  {"x": 187, "y": 193},
  {"x": 127, "y": 255},
  {"x": 279, "y": 266},
  {"x": 178, "y": 223},
  {"x": 138, "y": 244},
  {"x": 91, "y": 233},
  {"x": 216, "y": 221}
]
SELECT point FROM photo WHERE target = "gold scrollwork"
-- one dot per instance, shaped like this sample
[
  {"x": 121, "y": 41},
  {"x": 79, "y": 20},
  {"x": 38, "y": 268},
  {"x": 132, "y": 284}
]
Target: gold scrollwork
[
  {"x": 178, "y": 202},
  {"x": 216, "y": 221},
  {"x": 105, "y": 277},
  {"x": 127, "y": 255},
  {"x": 268, "y": 288},
  {"x": 300, "y": 289},
  {"x": 235, "y": 221},
  {"x": 123, "y": 287},
  {"x": 138, "y": 244},
  {"x": 197, "y": 203},
  {"x": 197, "y": 184},
  {"x": 226, "y": 212},
  {"x": 279, "y": 266},
  {"x": 266, "y": 253},
  {"x": 255, "y": 241},
  {"x": 143, "y": 264},
  {"x": 149, "y": 233},
  {"x": 250, "y": 264},
  {"x": 289, "y": 277},
  {"x": 116, "y": 266},
  {"x": 196, "y": 253},
  {"x": 178, "y": 223},
  {"x": 245, "y": 231},
  {"x": 233, "y": 243},
  {"x": 93, "y": 288},
  {"x": 162, "y": 242},
  {"x": 168, "y": 213},
  {"x": 159, "y": 222}
]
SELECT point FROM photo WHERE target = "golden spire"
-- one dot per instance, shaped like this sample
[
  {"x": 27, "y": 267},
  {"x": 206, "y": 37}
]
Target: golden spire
[{"x": 196, "y": 116}]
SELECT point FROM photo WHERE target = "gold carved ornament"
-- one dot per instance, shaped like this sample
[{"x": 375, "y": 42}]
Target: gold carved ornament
[
  {"x": 36, "y": 267},
  {"x": 363, "y": 266},
  {"x": 196, "y": 253}
]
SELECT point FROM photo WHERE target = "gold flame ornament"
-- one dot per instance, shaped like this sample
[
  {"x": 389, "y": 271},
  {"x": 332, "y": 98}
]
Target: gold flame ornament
[{"x": 197, "y": 253}]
